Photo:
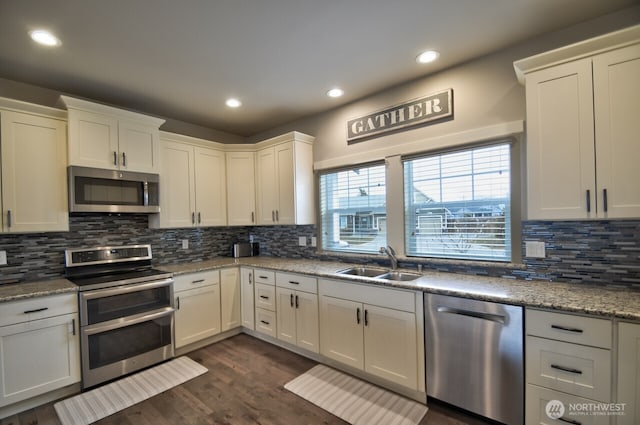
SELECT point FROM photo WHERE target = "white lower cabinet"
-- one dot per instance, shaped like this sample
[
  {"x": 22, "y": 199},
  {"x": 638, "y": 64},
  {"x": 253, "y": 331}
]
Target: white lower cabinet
[
  {"x": 372, "y": 329},
  {"x": 297, "y": 310},
  {"x": 265, "y": 301},
  {"x": 39, "y": 347},
  {"x": 247, "y": 307},
  {"x": 629, "y": 372},
  {"x": 197, "y": 303},
  {"x": 538, "y": 398},
  {"x": 230, "y": 298}
]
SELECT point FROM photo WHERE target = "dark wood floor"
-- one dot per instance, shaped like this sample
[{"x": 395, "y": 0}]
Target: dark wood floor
[{"x": 244, "y": 385}]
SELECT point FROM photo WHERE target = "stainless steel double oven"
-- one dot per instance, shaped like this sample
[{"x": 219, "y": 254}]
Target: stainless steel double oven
[{"x": 126, "y": 310}]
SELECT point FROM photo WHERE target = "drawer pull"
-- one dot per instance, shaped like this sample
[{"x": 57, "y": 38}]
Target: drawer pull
[
  {"x": 566, "y": 369},
  {"x": 564, "y": 328},
  {"x": 197, "y": 281},
  {"x": 263, "y": 277},
  {"x": 36, "y": 310},
  {"x": 293, "y": 282},
  {"x": 264, "y": 297},
  {"x": 569, "y": 421},
  {"x": 265, "y": 322}
]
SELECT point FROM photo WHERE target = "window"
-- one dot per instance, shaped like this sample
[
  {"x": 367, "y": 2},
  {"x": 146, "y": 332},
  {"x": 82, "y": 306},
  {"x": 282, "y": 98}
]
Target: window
[
  {"x": 353, "y": 214},
  {"x": 457, "y": 204}
]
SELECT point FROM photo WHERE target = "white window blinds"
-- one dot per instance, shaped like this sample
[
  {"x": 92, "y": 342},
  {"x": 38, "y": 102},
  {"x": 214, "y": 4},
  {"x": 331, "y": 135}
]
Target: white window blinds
[
  {"x": 457, "y": 204},
  {"x": 353, "y": 210}
]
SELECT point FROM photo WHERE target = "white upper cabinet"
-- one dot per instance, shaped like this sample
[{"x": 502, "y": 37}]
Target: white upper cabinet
[
  {"x": 105, "y": 137},
  {"x": 34, "y": 175},
  {"x": 582, "y": 126},
  {"x": 192, "y": 183},
  {"x": 241, "y": 188},
  {"x": 284, "y": 180}
]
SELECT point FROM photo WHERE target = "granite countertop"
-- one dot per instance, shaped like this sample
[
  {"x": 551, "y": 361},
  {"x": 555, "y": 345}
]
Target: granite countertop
[
  {"x": 579, "y": 298},
  {"x": 17, "y": 291}
]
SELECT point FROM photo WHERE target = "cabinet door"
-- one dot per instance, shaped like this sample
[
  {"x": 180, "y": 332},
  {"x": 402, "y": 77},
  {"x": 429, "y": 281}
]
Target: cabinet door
[
  {"x": 390, "y": 345},
  {"x": 247, "y": 309},
  {"x": 197, "y": 314},
  {"x": 241, "y": 189},
  {"x": 341, "y": 335},
  {"x": 307, "y": 323},
  {"x": 210, "y": 181},
  {"x": 230, "y": 298},
  {"x": 286, "y": 317},
  {"x": 37, "y": 357},
  {"x": 629, "y": 372},
  {"x": 267, "y": 190},
  {"x": 34, "y": 175},
  {"x": 178, "y": 196},
  {"x": 617, "y": 102},
  {"x": 560, "y": 140},
  {"x": 285, "y": 183},
  {"x": 138, "y": 146},
  {"x": 93, "y": 140}
]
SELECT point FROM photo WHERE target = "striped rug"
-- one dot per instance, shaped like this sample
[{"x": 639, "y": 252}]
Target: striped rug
[
  {"x": 90, "y": 406},
  {"x": 353, "y": 400}
]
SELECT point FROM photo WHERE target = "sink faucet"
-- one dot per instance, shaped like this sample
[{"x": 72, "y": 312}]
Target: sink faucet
[{"x": 392, "y": 256}]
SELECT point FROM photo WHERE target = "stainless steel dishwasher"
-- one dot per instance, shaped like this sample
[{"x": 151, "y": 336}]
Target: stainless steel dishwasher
[{"x": 474, "y": 353}]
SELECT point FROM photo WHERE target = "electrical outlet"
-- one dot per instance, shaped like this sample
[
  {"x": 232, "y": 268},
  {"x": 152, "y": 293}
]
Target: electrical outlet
[
  {"x": 302, "y": 241},
  {"x": 534, "y": 249},
  {"x": 3, "y": 258},
  {"x": 185, "y": 244},
  {"x": 314, "y": 241}
]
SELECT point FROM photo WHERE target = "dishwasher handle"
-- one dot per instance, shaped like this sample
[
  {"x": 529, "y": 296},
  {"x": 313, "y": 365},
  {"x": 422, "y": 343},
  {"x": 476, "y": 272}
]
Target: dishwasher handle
[{"x": 498, "y": 318}]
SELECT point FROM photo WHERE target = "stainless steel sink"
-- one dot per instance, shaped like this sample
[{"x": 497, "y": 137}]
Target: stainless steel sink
[
  {"x": 402, "y": 276},
  {"x": 363, "y": 271},
  {"x": 375, "y": 273}
]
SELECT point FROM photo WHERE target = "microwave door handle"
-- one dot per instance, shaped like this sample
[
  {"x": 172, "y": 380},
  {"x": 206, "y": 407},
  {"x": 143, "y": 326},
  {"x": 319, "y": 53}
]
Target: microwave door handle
[{"x": 145, "y": 193}]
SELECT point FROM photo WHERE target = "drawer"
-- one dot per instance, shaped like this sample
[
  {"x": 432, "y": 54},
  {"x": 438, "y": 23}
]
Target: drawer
[
  {"x": 25, "y": 310},
  {"x": 571, "y": 368},
  {"x": 264, "y": 276},
  {"x": 266, "y": 322},
  {"x": 575, "y": 408},
  {"x": 195, "y": 280},
  {"x": 297, "y": 282},
  {"x": 265, "y": 296},
  {"x": 570, "y": 328}
]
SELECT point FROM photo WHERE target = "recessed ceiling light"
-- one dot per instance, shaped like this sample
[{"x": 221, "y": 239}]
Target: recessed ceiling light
[
  {"x": 44, "y": 37},
  {"x": 336, "y": 92},
  {"x": 233, "y": 103},
  {"x": 428, "y": 56}
]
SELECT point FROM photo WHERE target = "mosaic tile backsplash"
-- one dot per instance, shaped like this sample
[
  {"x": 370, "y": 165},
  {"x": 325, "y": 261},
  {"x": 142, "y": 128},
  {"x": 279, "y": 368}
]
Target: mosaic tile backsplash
[{"x": 593, "y": 252}]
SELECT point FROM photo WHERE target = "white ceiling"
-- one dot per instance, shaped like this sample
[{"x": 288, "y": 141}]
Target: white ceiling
[{"x": 182, "y": 58}]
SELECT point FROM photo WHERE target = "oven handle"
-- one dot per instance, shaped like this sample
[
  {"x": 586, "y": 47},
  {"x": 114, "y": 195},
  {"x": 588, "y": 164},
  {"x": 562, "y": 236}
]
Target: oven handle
[
  {"x": 127, "y": 321},
  {"x": 125, "y": 289}
]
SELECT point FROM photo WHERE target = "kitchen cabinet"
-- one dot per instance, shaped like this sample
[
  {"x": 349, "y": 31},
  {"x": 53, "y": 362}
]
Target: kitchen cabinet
[
  {"x": 629, "y": 372},
  {"x": 34, "y": 173},
  {"x": 246, "y": 296},
  {"x": 568, "y": 358},
  {"x": 241, "y": 188},
  {"x": 192, "y": 184},
  {"x": 39, "y": 346},
  {"x": 284, "y": 180},
  {"x": 372, "y": 329},
  {"x": 105, "y": 137},
  {"x": 230, "y": 298},
  {"x": 265, "y": 301},
  {"x": 582, "y": 130},
  {"x": 197, "y": 304},
  {"x": 297, "y": 310}
]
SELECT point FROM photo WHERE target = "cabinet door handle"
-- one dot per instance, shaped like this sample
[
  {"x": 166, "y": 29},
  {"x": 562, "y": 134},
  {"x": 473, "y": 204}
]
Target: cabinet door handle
[
  {"x": 9, "y": 218},
  {"x": 297, "y": 302},
  {"x": 569, "y": 421},
  {"x": 115, "y": 158},
  {"x": 588, "y": 201},
  {"x": 273, "y": 216},
  {"x": 564, "y": 328},
  {"x": 253, "y": 217},
  {"x": 291, "y": 300},
  {"x": 264, "y": 297},
  {"x": 177, "y": 303},
  {"x": 265, "y": 322},
  {"x": 250, "y": 278},
  {"x": 566, "y": 369},
  {"x": 604, "y": 198},
  {"x": 366, "y": 317},
  {"x": 199, "y": 218},
  {"x": 277, "y": 216},
  {"x": 358, "y": 315},
  {"x": 193, "y": 218},
  {"x": 73, "y": 326},
  {"x": 124, "y": 159},
  {"x": 35, "y": 310}
]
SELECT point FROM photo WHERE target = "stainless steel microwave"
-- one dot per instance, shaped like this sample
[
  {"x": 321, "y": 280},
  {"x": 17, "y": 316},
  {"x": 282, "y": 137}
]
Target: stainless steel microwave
[{"x": 101, "y": 190}]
